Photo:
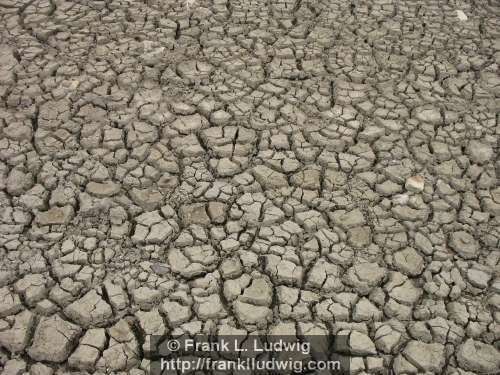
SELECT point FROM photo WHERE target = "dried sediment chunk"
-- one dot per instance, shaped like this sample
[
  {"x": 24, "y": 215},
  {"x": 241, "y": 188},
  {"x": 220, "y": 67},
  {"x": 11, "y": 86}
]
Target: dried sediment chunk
[
  {"x": 90, "y": 310},
  {"x": 53, "y": 339},
  {"x": 55, "y": 216},
  {"x": 193, "y": 261}
]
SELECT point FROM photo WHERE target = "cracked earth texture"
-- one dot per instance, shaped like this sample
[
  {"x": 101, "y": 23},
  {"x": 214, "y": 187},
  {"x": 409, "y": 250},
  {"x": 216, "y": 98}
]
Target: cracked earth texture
[{"x": 249, "y": 165}]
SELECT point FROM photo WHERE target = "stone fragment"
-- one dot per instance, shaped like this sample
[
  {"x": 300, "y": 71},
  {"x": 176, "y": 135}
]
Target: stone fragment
[
  {"x": 461, "y": 15},
  {"x": 415, "y": 184}
]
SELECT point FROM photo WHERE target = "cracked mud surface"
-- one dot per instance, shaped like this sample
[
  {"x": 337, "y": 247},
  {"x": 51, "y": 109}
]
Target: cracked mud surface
[{"x": 249, "y": 165}]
